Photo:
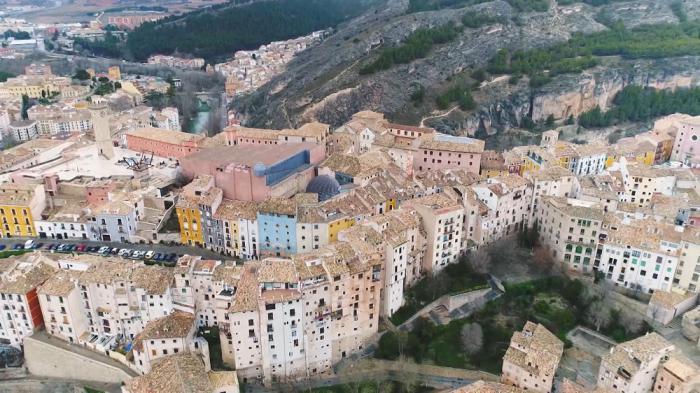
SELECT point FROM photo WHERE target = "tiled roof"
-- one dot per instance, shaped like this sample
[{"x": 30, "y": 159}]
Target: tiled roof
[
  {"x": 178, "y": 324},
  {"x": 181, "y": 373}
]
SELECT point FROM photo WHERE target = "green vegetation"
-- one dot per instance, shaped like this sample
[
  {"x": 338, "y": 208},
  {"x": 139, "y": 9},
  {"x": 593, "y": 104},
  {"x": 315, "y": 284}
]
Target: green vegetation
[
  {"x": 638, "y": 104},
  {"x": 430, "y": 5},
  {"x": 372, "y": 387},
  {"x": 221, "y": 30},
  {"x": 558, "y": 303},
  {"x": 455, "y": 278},
  {"x": 416, "y": 46},
  {"x": 104, "y": 88},
  {"x": 18, "y": 35},
  {"x": 579, "y": 53},
  {"x": 11, "y": 253},
  {"x": 459, "y": 94},
  {"x": 474, "y": 19},
  {"x": 4, "y": 76},
  {"x": 81, "y": 75},
  {"x": 109, "y": 46},
  {"x": 92, "y": 390},
  {"x": 211, "y": 334},
  {"x": 679, "y": 10}
]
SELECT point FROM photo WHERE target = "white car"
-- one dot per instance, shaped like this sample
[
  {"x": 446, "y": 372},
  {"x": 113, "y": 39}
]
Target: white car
[
  {"x": 124, "y": 252},
  {"x": 138, "y": 254},
  {"x": 149, "y": 254},
  {"x": 103, "y": 250},
  {"x": 28, "y": 244}
]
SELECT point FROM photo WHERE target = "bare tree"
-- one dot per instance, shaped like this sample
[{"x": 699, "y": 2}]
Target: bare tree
[
  {"x": 543, "y": 259},
  {"x": 599, "y": 314},
  {"x": 472, "y": 338},
  {"x": 632, "y": 322},
  {"x": 479, "y": 261}
]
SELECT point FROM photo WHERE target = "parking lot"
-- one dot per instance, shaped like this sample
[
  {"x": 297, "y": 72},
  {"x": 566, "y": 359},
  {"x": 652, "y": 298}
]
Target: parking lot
[{"x": 157, "y": 253}]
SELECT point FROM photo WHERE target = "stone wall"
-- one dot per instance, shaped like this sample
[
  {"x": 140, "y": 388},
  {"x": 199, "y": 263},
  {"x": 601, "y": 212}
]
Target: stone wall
[{"x": 53, "y": 358}]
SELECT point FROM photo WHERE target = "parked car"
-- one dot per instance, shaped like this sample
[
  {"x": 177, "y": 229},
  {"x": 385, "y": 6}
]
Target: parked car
[
  {"x": 38, "y": 246},
  {"x": 2, "y": 247},
  {"x": 114, "y": 251},
  {"x": 103, "y": 250},
  {"x": 18, "y": 246},
  {"x": 172, "y": 257},
  {"x": 80, "y": 247},
  {"x": 124, "y": 252},
  {"x": 29, "y": 244},
  {"x": 149, "y": 254},
  {"x": 138, "y": 254}
]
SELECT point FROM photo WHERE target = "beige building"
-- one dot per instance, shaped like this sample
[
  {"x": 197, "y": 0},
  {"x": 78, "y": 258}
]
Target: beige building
[
  {"x": 62, "y": 308},
  {"x": 183, "y": 373},
  {"x": 570, "y": 230},
  {"x": 631, "y": 367},
  {"x": 508, "y": 199},
  {"x": 172, "y": 334},
  {"x": 666, "y": 305},
  {"x": 678, "y": 374},
  {"x": 532, "y": 359}
]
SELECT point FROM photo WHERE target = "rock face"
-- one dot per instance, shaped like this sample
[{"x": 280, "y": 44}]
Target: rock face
[
  {"x": 572, "y": 95},
  {"x": 323, "y": 83}
]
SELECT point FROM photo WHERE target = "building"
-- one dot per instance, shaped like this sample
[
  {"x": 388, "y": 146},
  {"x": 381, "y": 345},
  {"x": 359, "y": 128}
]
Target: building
[
  {"x": 277, "y": 225},
  {"x": 20, "y": 204},
  {"x": 164, "y": 143},
  {"x": 631, "y": 367},
  {"x": 666, "y": 305},
  {"x": 168, "y": 335},
  {"x": 442, "y": 222},
  {"x": 21, "y": 312},
  {"x": 183, "y": 373},
  {"x": 487, "y": 387},
  {"x": 532, "y": 359},
  {"x": 508, "y": 200},
  {"x": 117, "y": 219},
  {"x": 195, "y": 207},
  {"x": 442, "y": 151},
  {"x": 258, "y": 172},
  {"x": 640, "y": 255},
  {"x": 23, "y": 130},
  {"x": 114, "y": 73},
  {"x": 677, "y": 374},
  {"x": 686, "y": 145},
  {"x": 131, "y": 21},
  {"x": 570, "y": 230},
  {"x": 62, "y": 307}
]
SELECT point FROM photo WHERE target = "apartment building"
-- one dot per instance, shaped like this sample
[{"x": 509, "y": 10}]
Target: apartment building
[
  {"x": 508, "y": 199},
  {"x": 688, "y": 270},
  {"x": 555, "y": 181},
  {"x": 581, "y": 160},
  {"x": 195, "y": 210},
  {"x": 631, "y": 367},
  {"x": 642, "y": 183},
  {"x": 532, "y": 359},
  {"x": 312, "y": 311},
  {"x": 441, "y": 216},
  {"x": 240, "y": 228},
  {"x": 277, "y": 225},
  {"x": 172, "y": 334},
  {"x": 570, "y": 230},
  {"x": 20, "y": 311},
  {"x": 23, "y": 130},
  {"x": 20, "y": 204},
  {"x": 116, "y": 219},
  {"x": 62, "y": 307},
  {"x": 640, "y": 255},
  {"x": 677, "y": 374}
]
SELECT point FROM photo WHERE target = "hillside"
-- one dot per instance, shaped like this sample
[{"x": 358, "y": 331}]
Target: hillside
[
  {"x": 215, "y": 33},
  {"x": 397, "y": 61}
]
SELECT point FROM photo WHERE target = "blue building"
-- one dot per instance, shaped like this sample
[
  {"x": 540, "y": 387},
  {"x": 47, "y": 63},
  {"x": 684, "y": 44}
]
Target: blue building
[{"x": 277, "y": 222}]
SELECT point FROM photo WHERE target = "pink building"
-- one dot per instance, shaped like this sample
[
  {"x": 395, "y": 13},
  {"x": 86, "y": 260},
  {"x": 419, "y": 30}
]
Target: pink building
[
  {"x": 97, "y": 191},
  {"x": 686, "y": 147},
  {"x": 164, "y": 143},
  {"x": 256, "y": 172},
  {"x": 448, "y": 152}
]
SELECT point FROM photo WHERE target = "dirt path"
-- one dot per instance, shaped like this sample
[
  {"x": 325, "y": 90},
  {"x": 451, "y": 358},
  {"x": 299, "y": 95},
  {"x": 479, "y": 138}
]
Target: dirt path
[{"x": 422, "y": 121}]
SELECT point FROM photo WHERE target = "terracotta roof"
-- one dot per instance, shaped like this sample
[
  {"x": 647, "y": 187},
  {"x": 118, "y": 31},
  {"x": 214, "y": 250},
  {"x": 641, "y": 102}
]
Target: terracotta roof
[
  {"x": 181, "y": 373},
  {"x": 487, "y": 387},
  {"x": 178, "y": 324}
]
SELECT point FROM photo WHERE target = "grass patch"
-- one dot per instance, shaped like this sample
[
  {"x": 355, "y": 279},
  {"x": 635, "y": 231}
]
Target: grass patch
[
  {"x": 455, "y": 278},
  {"x": 92, "y": 390}
]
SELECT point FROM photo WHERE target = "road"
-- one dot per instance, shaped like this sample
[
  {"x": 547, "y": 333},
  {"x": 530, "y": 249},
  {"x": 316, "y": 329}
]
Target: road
[{"x": 160, "y": 248}]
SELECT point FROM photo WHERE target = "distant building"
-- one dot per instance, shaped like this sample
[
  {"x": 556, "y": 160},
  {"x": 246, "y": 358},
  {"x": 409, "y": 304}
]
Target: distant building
[
  {"x": 23, "y": 130},
  {"x": 131, "y": 21},
  {"x": 164, "y": 143}
]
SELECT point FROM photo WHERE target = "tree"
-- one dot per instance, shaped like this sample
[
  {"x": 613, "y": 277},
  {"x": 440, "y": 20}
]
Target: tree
[
  {"x": 479, "y": 261},
  {"x": 25, "y": 106},
  {"x": 631, "y": 322},
  {"x": 81, "y": 74},
  {"x": 550, "y": 121},
  {"x": 599, "y": 314},
  {"x": 472, "y": 337}
]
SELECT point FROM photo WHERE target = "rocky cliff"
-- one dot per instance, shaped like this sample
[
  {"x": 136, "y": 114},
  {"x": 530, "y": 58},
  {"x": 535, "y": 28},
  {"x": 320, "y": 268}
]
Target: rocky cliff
[{"x": 323, "y": 83}]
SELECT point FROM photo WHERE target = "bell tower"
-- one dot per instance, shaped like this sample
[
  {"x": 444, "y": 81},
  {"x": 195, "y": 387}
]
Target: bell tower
[{"x": 100, "y": 125}]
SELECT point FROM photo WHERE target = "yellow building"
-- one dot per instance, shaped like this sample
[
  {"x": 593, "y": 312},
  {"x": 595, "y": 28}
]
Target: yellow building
[
  {"x": 642, "y": 152},
  {"x": 190, "y": 223},
  {"x": 19, "y": 205},
  {"x": 114, "y": 73},
  {"x": 334, "y": 227}
]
